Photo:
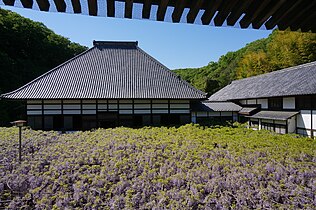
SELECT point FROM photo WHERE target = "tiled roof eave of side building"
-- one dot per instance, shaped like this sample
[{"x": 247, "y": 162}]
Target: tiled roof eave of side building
[
  {"x": 111, "y": 70},
  {"x": 297, "y": 80}
]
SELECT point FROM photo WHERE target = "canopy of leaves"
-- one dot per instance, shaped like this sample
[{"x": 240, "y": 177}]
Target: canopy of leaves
[
  {"x": 27, "y": 50},
  {"x": 280, "y": 50}
]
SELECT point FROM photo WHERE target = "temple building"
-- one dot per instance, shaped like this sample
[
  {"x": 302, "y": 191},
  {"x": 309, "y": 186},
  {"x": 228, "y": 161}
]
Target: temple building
[
  {"x": 112, "y": 84},
  {"x": 283, "y": 101}
]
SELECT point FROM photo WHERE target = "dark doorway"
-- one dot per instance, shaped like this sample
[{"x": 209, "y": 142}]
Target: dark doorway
[{"x": 107, "y": 119}]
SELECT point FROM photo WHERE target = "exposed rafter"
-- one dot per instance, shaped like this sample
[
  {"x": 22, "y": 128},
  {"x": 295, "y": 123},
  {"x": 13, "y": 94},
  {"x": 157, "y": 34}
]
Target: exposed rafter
[
  {"x": 60, "y": 5},
  {"x": 224, "y": 11},
  {"x": 178, "y": 10},
  {"x": 76, "y": 5},
  {"x": 43, "y": 5},
  {"x": 93, "y": 7},
  {"x": 210, "y": 11},
  {"x": 128, "y": 8},
  {"x": 162, "y": 8},
  {"x": 269, "y": 14},
  {"x": 196, "y": 6},
  {"x": 27, "y": 3},
  {"x": 110, "y": 8},
  {"x": 146, "y": 9}
]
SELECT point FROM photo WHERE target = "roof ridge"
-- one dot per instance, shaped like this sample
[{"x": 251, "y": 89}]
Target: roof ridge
[
  {"x": 170, "y": 72},
  {"x": 291, "y": 68},
  {"x": 100, "y": 43},
  {"x": 46, "y": 73}
]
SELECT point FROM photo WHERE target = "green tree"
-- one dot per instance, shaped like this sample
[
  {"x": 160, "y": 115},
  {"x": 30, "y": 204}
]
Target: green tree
[{"x": 27, "y": 50}]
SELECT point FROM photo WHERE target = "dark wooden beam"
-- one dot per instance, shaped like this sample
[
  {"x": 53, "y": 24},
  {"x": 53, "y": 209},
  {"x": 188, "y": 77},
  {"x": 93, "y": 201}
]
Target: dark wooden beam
[
  {"x": 76, "y": 6},
  {"x": 297, "y": 15},
  {"x": 224, "y": 11},
  {"x": 146, "y": 9},
  {"x": 307, "y": 24},
  {"x": 9, "y": 2},
  {"x": 237, "y": 11},
  {"x": 43, "y": 5},
  {"x": 178, "y": 10},
  {"x": 210, "y": 11},
  {"x": 93, "y": 7},
  {"x": 196, "y": 5},
  {"x": 253, "y": 11},
  {"x": 266, "y": 13},
  {"x": 281, "y": 13},
  {"x": 27, "y": 3},
  {"x": 162, "y": 8},
  {"x": 60, "y": 5},
  {"x": 128, "y": 9},
  {"x": 110, "y": 8}
]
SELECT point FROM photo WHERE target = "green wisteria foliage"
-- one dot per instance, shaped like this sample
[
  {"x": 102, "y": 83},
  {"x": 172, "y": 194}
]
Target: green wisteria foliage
[{"x": 190, "y": 167}]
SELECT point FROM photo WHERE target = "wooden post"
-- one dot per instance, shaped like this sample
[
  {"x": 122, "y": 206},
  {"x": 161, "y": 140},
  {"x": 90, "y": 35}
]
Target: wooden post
[{"x": 20, "y": 143}]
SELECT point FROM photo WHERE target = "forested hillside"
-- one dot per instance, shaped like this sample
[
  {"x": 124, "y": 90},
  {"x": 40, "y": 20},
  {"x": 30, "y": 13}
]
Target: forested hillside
[
  {"x": 280, "y": 50},
  {"x": 27, "y": 50}
]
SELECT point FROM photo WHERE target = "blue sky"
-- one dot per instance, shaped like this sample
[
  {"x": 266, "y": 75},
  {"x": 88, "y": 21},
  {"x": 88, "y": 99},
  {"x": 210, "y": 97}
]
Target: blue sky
[{"x": 174, "y": 45}]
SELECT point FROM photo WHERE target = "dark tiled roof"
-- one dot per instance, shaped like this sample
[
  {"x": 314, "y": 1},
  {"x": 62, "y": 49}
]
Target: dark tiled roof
[
  {"x": 274, "y": 115},
  {"x": 249, "y": 110},
  {"x": 207, "y": 106},
  {"x": 108, "y": 70},
  {"x": 298, "y": 80}
]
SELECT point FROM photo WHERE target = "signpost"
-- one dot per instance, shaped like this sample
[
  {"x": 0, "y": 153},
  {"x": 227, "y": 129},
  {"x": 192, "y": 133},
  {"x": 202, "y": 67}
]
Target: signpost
[{"x": 20, "y": 124}]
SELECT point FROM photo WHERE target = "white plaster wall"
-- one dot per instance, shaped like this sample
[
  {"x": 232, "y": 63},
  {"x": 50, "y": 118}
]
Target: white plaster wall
[
  {"x": 125, "y": 106},
  {"x": 292, "y": 124},
  {"x": 102, "y": 106},
  {"x": 304, "y": 119},
  {"x": 243, "y": 102},
  {"x": 180, "y": 106},
  {"x": 160, "y": 106},
  {"x": 142, "y": 101},
  {"x": 201, "y": 114},
  {"x": 125, "y": 111},
  {"x": 69, "y": 106},
  {"x": 263, "y": 103},
  {"x": 314, "y": 119},
  {"x": 72, "y": 112},
  {"x": 71, "y": 101},
  {"x": 280, "y": 122},
  {"x": 160, "y": 101},
  {"x": 267, "y": 121},
  {"x": 193, "y": 119},
  {"x": 52, "y": 112},
  {"x": 142, "y": 106},
  {"x": 30, "y": 112},
  {"x": 89, "y": 101},
  {"x": 289, "y": 103},
  {"x": 214, "y": 114},
  {"x": 235, "y": 117},
  {"x": 39, "y": 106},
  {"x": 89, "y": 111},
  {"x": 34, "y": 101},
  {"x": 226, "y": 114},
  {"x": 142, "y": 111},
  {"x": 160, "y": 111},
  {"x": 252, "y": 101},
  {"x": 56, "y": 106},
  {"x": 180, "y": 111},
  {"x": 89, "y": 106},
  {"x": 52, "y": 101},
  {"x": 179, "y": 101}
]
